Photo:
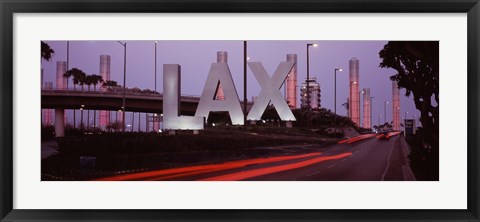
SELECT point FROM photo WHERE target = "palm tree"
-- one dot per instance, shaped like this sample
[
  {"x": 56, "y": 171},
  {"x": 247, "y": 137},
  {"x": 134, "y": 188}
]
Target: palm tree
[
  {"x": 46, "y": 51},
  {"x": 95, "y": 80},
  {"x": 81, "y": 79},
  {"x": 110, "y": 83},
  {"x": 77, "y": 74},
  {"x": 88, "y": 80}
]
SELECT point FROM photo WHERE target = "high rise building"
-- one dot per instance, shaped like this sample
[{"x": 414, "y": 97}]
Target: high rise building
[
  {"x": 314, "y": 90},
  {"x": 367, "y": 108},
  {"x": 222, "y": 56},
  {"x": 395, "y": 106},
  {"x": 48, "y": 113},
  {"x": 292, "y": 82},
  {"x": 103, "y": 115},
  {"x": 61, "y": 82},
  {"x": 354, "y": 90}
]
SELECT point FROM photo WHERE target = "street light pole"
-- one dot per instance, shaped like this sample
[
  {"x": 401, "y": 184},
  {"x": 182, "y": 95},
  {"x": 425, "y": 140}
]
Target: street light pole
[
  {"x": 360, "y": 124},
  {"x": 404, "y": 119},
  {"x": 245, "y": 58},
  {"x": 335, "y": 99},
  {"x": 371, "y": 111},
  {"x": 308, "y": 81},
  {"x": 124, "y": 44},
  {"x": 385, "y": 111},
  {"x": 155, "y": 66}
]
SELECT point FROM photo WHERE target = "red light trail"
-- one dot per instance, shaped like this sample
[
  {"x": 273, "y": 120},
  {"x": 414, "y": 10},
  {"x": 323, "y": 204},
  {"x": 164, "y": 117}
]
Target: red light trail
[
  {"x": 269, "y": 170},
  {"x": 194, "y": 170}
]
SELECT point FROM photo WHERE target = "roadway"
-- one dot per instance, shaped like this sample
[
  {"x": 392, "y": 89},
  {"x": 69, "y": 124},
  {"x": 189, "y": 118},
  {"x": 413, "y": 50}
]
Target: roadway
[{"x": 363, "y": 158}]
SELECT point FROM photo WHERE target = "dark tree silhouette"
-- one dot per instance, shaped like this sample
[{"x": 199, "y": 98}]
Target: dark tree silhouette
[
  {"x": 110, "y": 83},
  {"x": 417, "y": 64},
  {"x": 78, "y": 76},
  {"x": 46, "y": 51},
  {"x": 88, "y": 80},
  {"x": 96, "y": 79}
]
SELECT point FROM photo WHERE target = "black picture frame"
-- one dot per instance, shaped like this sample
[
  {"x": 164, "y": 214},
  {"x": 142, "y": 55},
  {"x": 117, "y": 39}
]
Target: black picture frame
[{"x": 10, "y": 7}]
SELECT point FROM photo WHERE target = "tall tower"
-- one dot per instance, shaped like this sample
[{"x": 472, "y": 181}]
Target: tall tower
[
  {"x": 354, "y": 91},
  {"x": 104, "y": 116},
  {"x": 61, "y": 82},
  {"x": 222, "y": 56},
  {"x": 367, "y": 107},
  {"x": 48, "y": 113},
  {"x": 292, "y": 82},
  {"x": 395, "y": 106},
  {"x": 314, "y": 90}
]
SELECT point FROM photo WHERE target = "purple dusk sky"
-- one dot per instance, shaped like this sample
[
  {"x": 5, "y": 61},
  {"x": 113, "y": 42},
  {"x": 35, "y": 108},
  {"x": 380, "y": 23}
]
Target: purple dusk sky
[{"x": 196, "y": 57}]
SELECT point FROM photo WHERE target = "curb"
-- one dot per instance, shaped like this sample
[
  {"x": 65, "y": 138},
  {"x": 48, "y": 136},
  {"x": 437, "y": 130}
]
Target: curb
[{"x": 406, "y": 170}]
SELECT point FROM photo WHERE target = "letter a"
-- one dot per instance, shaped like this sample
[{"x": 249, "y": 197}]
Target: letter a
[
  {"x": 220, "y": 72},
  {"x": 171, "y": 102}
]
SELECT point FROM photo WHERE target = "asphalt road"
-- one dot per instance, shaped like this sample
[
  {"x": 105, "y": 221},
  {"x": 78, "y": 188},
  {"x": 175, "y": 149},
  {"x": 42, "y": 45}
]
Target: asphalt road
[{"x": 363, "y": 158}]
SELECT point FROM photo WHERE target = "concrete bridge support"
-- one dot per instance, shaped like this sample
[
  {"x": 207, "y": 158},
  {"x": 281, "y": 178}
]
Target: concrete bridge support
[{"x": 59, "y": 122}]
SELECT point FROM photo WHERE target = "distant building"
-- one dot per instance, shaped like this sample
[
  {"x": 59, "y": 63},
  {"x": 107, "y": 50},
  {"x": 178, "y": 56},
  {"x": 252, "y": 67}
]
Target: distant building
[
  {"x": 314, "y": 94},
  {"x": 291, "y": 95},
  {"x": 354, "y": 77},
  {"x": 222, "y": 56},
  {"x": 61, "y": 82},
  {"x": 48, "y": 113},
  {"x": 104, "y": 116},
  {"x": 367, "y": 105}
]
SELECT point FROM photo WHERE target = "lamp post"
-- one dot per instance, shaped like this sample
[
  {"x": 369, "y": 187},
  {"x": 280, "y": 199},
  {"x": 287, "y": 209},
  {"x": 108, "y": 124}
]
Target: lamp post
[
  {"x": 359, "y": 108},
  {"x": 124, "y": 44},
  {"x": 155, "y": 66},
  {"x": 245, "y": 58},
  {"x": 379, "y": 116},
  {"x": 335, "y": 99},
  {"x": 371, "y": 110},
  {"x": 404, "y": 119},
  {"x": 308, "y": 81},
  {"x": 385, "y": 111}
]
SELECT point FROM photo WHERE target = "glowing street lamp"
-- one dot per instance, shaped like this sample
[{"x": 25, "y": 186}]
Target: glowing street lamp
[
  {"x": 308, "y": 81},
  {"x": 335, "y": 97},
  {"x": 124, "y": 44}
]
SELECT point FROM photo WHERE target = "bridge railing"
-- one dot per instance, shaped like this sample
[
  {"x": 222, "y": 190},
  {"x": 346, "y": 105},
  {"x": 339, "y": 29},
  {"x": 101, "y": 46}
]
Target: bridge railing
[{"x": 114, "y": 91}]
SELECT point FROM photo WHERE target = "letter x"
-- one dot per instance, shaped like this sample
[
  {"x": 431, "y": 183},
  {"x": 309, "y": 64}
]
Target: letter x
[{"x": 271, "y": 91}]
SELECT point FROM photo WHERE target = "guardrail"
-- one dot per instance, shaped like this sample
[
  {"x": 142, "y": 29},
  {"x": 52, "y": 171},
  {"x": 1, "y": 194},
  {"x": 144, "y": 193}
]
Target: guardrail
[{"x": 113, "y": 92}]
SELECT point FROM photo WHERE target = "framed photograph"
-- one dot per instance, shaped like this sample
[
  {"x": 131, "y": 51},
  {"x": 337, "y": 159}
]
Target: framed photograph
[{"x": 258, "y": 111}]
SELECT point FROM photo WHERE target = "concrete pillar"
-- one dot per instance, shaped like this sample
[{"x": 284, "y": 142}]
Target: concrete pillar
[
  {"x": 288, "y": 124},
  {"x": 59, "y": 122}
]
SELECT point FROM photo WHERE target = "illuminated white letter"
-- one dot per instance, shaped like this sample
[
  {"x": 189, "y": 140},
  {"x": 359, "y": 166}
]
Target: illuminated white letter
[
  {"x": 270, "y": 91},
  {"x": 219, "y": 72},
  {"x": 171, "y": 102}
]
